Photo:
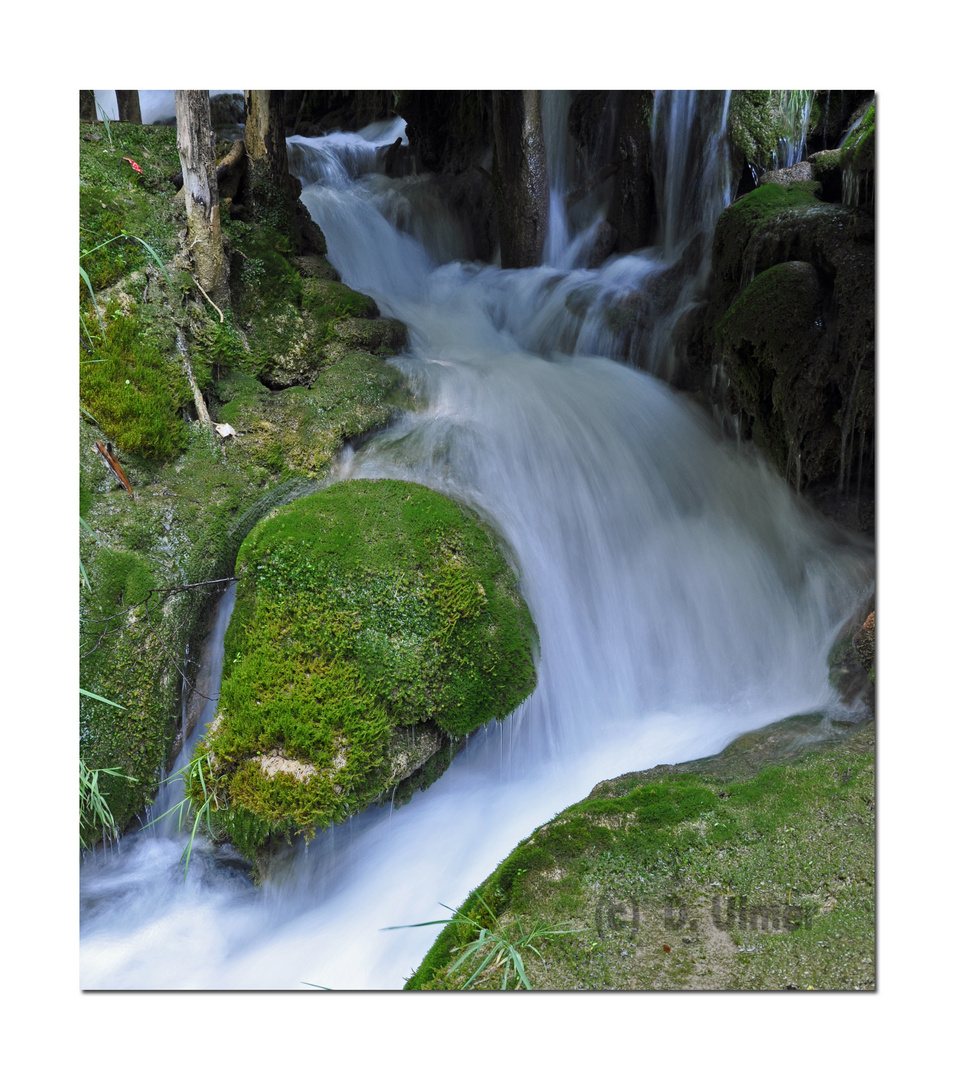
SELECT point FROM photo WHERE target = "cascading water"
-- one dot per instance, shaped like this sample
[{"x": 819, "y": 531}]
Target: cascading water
[
  {"x": 555, "y": 107},
  {"x": 682, "y": 595},
  {"x": 796, "y": 107}
]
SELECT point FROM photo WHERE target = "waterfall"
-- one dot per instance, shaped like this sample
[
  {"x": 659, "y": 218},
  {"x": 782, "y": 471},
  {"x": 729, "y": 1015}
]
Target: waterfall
[
  {"x": 682, "y": 594},
  {"x": 206, "y": 692},
  {"x": 796, "y": 106},
  {"x": 555, "y": 106}
]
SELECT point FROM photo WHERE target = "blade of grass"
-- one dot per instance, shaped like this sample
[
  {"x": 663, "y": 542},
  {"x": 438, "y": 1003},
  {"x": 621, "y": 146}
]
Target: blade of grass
[
  {"x": 152, "y": 251},
  {"x": 105, "y": 119},
  {"x": 89, "y": 693},
  {"x": 92, "y": 294}
]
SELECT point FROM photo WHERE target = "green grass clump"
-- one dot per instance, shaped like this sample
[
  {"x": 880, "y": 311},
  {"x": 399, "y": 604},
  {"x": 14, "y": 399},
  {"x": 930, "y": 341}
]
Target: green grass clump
[
  {"x": 497, "y": 947},
  {"x": 96, "y": 816},
  {"x": 134, "y": 389},
  {"x": 369, "y": 607}
]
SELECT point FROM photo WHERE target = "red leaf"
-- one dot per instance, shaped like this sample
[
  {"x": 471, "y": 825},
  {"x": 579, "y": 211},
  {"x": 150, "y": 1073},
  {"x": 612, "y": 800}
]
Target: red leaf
[{"x": 114, "y": 466}]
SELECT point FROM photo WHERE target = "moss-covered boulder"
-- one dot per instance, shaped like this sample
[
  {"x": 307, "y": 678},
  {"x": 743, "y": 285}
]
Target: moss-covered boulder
[
  {"x": 772, "y": 332},
  {"x": 826, "y": 172},
  {"x": 376, "y": 623}
]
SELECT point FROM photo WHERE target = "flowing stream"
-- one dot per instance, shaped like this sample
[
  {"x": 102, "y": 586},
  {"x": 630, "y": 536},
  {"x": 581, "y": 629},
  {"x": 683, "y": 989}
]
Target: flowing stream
[{"x": 682, "y": 593}]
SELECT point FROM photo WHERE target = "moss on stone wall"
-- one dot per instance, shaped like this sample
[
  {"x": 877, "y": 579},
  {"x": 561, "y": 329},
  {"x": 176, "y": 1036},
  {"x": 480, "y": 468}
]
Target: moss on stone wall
[
  {"x": 362, "y": 610},
  {"x": 742, "y": 222},
  {"x": 756, "y": 123},
  {"x": 773, "y": 332},
  {"x": 858, "y": 162},
  {"x": 298, "y": 431}
]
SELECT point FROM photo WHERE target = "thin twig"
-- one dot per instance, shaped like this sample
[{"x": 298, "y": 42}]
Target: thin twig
[{"x": 209, "y": 298}]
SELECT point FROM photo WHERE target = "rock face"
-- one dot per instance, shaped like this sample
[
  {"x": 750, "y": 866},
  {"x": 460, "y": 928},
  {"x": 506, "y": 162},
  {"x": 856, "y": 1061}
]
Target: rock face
[
  {"x": 376, "y": 623},
  {"x": 851, "y": 661},
  {"x": 791, "y": 325},
  {"x": 612, "y": 130}
]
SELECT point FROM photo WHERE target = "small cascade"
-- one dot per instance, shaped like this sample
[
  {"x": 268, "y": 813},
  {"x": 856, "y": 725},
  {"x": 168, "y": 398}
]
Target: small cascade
[
  {"x": 691, "y": 163},
  {"x": 555, "y": 106},
  {"x": 207, "y": 690},
  {"x": 796, "y": 107}
]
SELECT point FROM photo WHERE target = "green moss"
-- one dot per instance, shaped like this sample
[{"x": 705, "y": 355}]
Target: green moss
[
  {"x": 134, "y": 389},
  {"x": 791, "y": 843},
  {"x": 330, "y": 300},
  {"x": 286, "y": 310},
  {"x": 113, "y": 639},
  {"x": 266, "y": 275},
  {"x": 792, "y": 323},
  {"x": 194, "y": 500},
  {"x": 367, "y": 607},
  {"x": 768, "y": 340},
  {"x": 114, "y": 198},
  {"x": 301, "y": 428},
  {"x": 858, "y": 148},
  {"x": 744, "y": 219},
  {"x": 216, "y": 349},
  {"x": 858, "y": 161}
]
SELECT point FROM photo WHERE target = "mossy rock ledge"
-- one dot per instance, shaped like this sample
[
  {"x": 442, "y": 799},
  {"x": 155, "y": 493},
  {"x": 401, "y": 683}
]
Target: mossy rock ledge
[
  {"x": 376, "y": 624},
  {"x": 753, "y": 869}
]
